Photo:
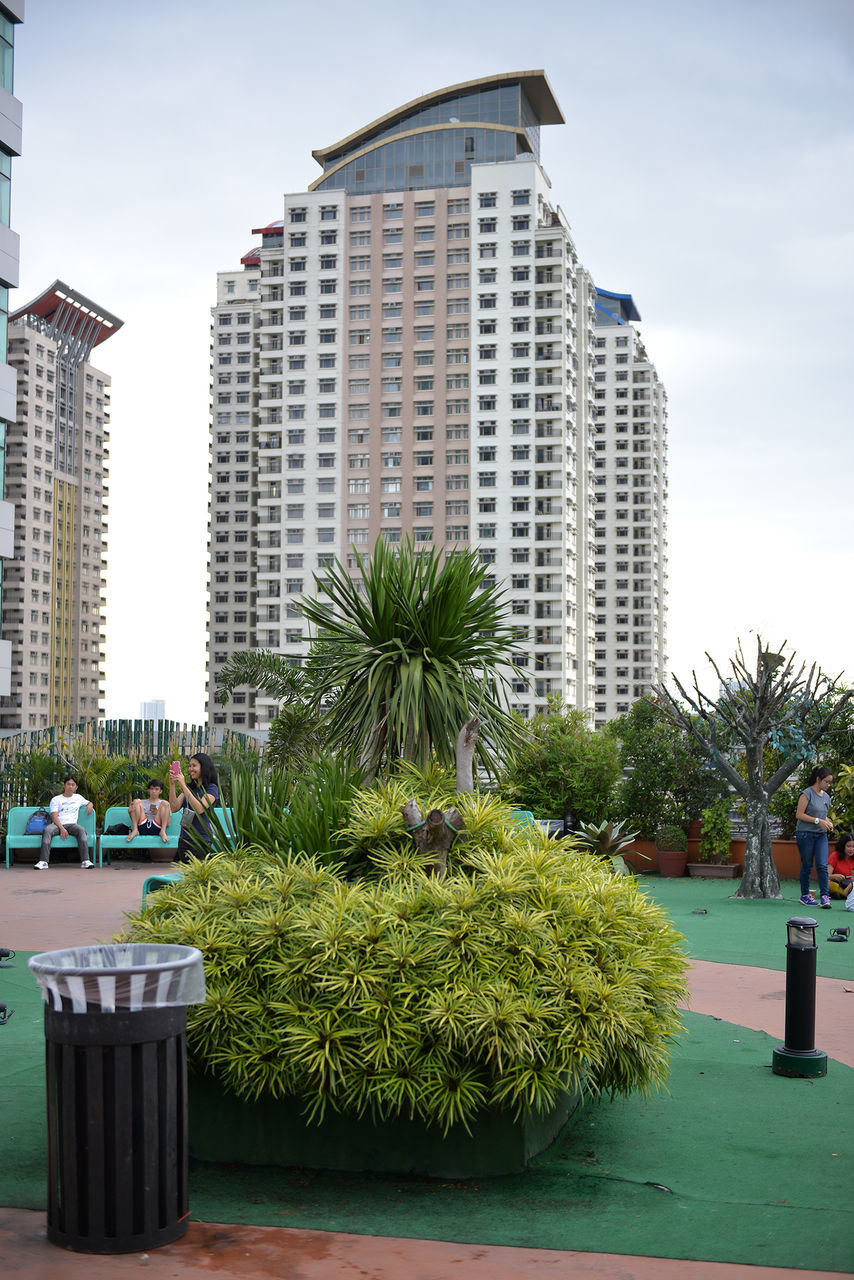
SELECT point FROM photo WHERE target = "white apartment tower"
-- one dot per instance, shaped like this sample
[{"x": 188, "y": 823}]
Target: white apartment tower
[
  {"x": 631, "y": 511},
  {"x": 56, "y": 473},
  {"x": 409, "y": 351}
]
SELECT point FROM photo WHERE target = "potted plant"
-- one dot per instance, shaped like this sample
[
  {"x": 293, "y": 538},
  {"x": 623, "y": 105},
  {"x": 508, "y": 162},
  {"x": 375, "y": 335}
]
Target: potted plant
[
  {"x": 607, "y": 841},
  {"x": 715, "y": 843},
  {"x": 671, "y": 845},
  {"x": 423, "y": 1063}
]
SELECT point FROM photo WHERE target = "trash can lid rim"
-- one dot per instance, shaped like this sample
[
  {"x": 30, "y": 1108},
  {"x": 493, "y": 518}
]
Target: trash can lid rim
[{"x": 53, "y": 962}]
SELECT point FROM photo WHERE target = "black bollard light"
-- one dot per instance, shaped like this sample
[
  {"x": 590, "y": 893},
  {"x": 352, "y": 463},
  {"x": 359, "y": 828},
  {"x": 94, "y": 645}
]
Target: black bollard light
[{"x": 799, "y": 1056}]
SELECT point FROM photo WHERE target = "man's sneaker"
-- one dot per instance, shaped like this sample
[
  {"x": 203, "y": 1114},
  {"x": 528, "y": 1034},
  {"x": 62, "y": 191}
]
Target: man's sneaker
[
  {"x": 87, "y": 863},
  {"x": 807, "y": 899},
  {"x": 40, "y": 866},
  {"x": 825, "y": 901}
]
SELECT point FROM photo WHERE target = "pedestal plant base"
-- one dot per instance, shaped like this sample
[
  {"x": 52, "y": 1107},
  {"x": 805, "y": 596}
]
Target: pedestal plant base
[
  {"x": 714, "y": 870},
  {"x": 225, "y": 1129}
]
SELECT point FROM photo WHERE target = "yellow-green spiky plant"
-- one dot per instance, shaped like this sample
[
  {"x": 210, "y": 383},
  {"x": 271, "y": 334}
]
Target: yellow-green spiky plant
[{"x": 527, "y": 970}]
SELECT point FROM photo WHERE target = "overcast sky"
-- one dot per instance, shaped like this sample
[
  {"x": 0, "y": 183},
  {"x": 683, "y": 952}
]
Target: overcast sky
[{"x": 706, "y": 167}]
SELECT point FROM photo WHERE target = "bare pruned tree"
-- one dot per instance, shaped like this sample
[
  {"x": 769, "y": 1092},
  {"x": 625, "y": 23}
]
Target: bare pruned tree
[{"x": 780, "y": 704}]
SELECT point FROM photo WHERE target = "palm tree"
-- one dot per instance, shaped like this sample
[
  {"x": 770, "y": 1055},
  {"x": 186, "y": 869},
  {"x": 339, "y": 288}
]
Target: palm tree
[
  {"x": 262, "y": 669},
  {"x": 405, "y": 656},
  {"x": 295, "y": 734}
]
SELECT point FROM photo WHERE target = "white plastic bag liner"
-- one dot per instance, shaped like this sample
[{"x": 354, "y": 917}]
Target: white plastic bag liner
[{"x": 136, "y": 975}]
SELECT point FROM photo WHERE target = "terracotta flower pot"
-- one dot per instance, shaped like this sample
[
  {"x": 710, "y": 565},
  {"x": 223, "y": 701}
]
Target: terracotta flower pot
[
  {"x": 160, "y": 852},
  {"x": 672, "y": 862}
]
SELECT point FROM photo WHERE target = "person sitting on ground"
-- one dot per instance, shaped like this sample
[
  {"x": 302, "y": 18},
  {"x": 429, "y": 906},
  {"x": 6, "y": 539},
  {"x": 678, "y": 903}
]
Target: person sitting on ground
[
  {"x": 64, "y": 812},
  {"x": 841, "y": 865},
  {"x": 150, "y": 817}
]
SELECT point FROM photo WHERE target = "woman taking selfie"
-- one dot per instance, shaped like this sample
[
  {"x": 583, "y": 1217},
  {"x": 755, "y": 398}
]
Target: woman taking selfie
[{"x": 197, "y": 795}]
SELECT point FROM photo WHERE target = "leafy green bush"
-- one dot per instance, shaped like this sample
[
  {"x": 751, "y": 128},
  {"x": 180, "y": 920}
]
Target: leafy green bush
[
  {"x": 667, "y": 780},
  {"x": 103, "y": 778},
  {"x": 279, "y": 815},
  {"x": 561, "y": 766},
  {"x": 783, "y": 806},
  {"x": 671, "y": 837},
  {"x": 527, "y": 970},
  {"x": 716, "y": 834}
]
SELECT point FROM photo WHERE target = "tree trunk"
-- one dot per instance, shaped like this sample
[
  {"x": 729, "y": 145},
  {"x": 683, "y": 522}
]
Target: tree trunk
[
  {"x": 466, "y": 743},
  {"x": 434, "y": 834},
  {"x": 760, "y": 879}
]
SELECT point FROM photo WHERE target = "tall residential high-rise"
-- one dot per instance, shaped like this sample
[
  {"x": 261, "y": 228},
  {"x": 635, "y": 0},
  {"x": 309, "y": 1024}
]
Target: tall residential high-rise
[
  {"x": 11, "y": 13},
  {"x": 56, "y": 474},
  {"x": 409, "y": 351},
  {"x": 631, "y": 511}
]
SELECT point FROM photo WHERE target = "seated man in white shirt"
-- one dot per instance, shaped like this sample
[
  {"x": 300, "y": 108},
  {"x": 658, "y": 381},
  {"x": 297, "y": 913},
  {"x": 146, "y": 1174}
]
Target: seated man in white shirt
[
  {"x": 150, "y": 817},
  {"x": 64, "y": 811}
]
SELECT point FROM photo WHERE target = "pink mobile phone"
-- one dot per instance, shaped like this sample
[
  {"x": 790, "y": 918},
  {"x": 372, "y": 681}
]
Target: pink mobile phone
[{"x": 175, "y": 768}]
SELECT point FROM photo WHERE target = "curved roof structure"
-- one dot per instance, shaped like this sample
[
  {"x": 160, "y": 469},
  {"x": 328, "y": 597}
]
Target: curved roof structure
[
  {"x": 535, "y": 85},
  {"x": 71, "y": 318},
  {"x": 619, "y": 305}
]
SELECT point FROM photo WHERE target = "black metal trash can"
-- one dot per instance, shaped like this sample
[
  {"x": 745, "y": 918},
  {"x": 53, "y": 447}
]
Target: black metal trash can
[{"x": 116, "y": 1074}]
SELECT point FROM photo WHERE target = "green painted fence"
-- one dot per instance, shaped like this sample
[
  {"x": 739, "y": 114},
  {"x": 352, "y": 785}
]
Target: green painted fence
[{"x": 28, "y": 757}]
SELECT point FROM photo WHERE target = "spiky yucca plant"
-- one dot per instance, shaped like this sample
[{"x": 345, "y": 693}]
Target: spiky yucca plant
[
  {"x": 607, "y": 841},
  {"x": 527, "y": 970}
]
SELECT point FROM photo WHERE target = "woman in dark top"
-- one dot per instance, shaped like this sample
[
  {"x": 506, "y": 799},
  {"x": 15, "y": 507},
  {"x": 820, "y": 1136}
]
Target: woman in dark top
[
  {"x": 811, "y": 831},
  {"x": 199, "y": 794}
]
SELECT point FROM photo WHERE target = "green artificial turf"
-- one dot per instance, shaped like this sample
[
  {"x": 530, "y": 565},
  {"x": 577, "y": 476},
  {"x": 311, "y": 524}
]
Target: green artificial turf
[
  {"x": 732, "y": 1164},
  {"x": 748, "y": 931}
]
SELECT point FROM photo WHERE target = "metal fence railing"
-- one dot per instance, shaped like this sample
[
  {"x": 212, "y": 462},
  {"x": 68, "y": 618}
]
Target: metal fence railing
[{"x": 111, "y": 755}]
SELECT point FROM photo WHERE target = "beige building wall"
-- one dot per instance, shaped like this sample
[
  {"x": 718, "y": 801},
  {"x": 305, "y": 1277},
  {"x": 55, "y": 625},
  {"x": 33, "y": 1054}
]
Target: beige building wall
[
  {"x": 57, "y": 454},
  {"x": 421, "y": 362}
]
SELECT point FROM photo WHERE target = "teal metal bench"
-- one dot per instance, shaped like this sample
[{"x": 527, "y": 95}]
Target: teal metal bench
[
  {"x": 173, "y": 877},
  {"x": 17, "y": 838},
  {"x": 118, "y": 814},
  {"x": 160, "y": 882}
]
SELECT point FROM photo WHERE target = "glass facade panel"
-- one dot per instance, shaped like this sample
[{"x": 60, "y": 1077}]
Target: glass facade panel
[
  {"x": 4, "y": 320},
  {"x": 441, "y": 158},
  {"x": 502, "y": 105},
  {"x": 5, "y": 187},
  {"x": 7, "y": 53}
]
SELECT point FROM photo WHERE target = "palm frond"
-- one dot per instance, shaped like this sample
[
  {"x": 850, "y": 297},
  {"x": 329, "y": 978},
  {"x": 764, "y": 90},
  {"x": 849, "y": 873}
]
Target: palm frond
[{"x": 261, "y": 669}]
